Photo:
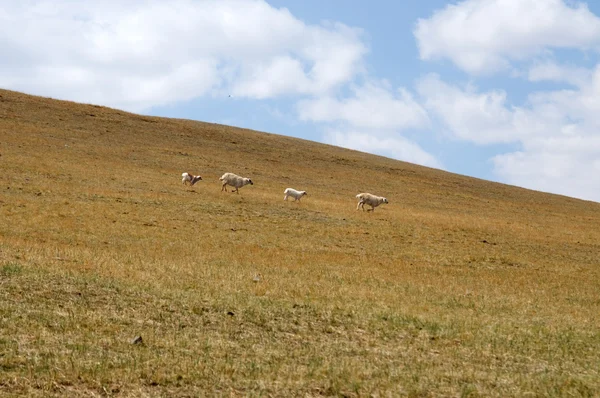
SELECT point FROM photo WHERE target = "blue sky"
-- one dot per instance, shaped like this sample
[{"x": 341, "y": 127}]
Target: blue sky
[{"x": 505, "y": 90}]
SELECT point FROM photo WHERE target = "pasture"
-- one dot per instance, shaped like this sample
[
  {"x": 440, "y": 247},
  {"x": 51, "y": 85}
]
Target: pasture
[{"x": 457, "y": 287}]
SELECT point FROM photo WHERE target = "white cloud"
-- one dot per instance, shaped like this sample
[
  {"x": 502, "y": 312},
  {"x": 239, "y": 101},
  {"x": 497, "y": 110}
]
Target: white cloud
[
  {"x": 580, "y": 106},
  {"x": 564, "y": 159},
  {"x": 372, "y": 119},
  {"x": 484, "y": 36},
  {"x": 275, "y": 76},
  {"x": 552, "y": 71},
  {"x": 372, "y": 106},
  {"x": 482, "y": 118},
  {"x": 564, "y": 173},
  {"x": 394, "y": 146},
  {"x": 142, "y": 53},
  {"x": 558, "y": 132}
]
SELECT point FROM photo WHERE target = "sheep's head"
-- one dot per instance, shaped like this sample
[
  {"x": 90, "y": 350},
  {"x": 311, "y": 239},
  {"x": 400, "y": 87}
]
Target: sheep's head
[
  {"x": 304, "y": 193},
  {"x": 385, "y": 200},
  {"x": 196, "y": 179},
  {"x": 249, "y": 181}
]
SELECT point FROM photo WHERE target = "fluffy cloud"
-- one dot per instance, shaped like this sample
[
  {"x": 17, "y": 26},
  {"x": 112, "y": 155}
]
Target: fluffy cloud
[
  {"x": 393, "y": 145},
  {"x": 566, "y": 157},
  {"x": 138, "y": 54},
  {"x": 558, "y": 132},
  {"x": 372, "y": 106},
  {"x": 551, "y": 71},
  {"x": 557, "y": 172},
  {"x": 372, "y": 119},
  {"x": 482, "y": 118},
  {"x": 484, "y": 36}
]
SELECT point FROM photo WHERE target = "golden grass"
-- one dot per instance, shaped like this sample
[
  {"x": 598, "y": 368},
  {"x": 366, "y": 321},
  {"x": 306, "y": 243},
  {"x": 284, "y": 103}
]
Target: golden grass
[{"x": 458, "y": 287}]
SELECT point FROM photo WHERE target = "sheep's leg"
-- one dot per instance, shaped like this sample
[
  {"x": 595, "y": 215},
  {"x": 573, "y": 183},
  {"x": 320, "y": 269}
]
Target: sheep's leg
[
  {"x": 361, "y": 203},
  {"x": 224, "y": 187},
  {"x": 285, "y": 198}
]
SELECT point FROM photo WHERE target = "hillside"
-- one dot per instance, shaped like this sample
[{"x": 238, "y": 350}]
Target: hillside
[{"x": 458, "y": 286}]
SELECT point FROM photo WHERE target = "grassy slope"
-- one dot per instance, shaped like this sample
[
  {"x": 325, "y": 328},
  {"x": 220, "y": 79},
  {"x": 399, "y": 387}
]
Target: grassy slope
[{"x": 459, "y": 286}]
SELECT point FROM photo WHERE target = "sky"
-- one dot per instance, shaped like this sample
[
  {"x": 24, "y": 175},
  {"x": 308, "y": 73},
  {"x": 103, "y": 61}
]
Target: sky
[{"x": 504, "y": 90}]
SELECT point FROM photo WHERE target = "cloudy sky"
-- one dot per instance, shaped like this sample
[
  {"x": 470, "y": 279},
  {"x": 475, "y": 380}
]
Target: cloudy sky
[{"x": 505, "y": 90}]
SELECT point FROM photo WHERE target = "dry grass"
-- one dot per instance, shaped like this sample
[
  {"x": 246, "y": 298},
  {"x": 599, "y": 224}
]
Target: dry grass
[{"x": 458, "y": 287}]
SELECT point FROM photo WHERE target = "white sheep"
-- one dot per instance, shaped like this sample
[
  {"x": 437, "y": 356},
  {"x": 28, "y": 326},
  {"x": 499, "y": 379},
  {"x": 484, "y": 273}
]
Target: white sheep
[
  {"x": 187, "y": 177},
  {"x": 369, "y": 199},
  {"x": 294, "y": 194},
  {"x": 235, "y": 181}
]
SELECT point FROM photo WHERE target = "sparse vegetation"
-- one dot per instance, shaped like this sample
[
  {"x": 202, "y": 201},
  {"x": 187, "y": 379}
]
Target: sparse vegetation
[{"x": 458, "y": 287}]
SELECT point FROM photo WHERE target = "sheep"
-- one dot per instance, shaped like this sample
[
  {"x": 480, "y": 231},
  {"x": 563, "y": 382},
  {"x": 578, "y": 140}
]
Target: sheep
[
  {"x": 369, "y": 199},
  {"x": 235, "y": 181},
  {"x": 294, "y": 194},
  {"x": 192, "y": 179}
]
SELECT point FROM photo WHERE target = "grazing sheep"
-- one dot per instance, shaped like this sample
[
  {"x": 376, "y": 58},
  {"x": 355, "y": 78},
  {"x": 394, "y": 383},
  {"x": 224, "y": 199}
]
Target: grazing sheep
[
  {"x": 369, "y": 199},
  {"x": 294, "y": 194},
  {"x": 187, "y": 177},
  {"x": 235, "y": 181}
]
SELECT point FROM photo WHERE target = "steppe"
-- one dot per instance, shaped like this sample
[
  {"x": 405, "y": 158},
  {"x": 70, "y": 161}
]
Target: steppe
[{"x": 457, "y": 287}]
